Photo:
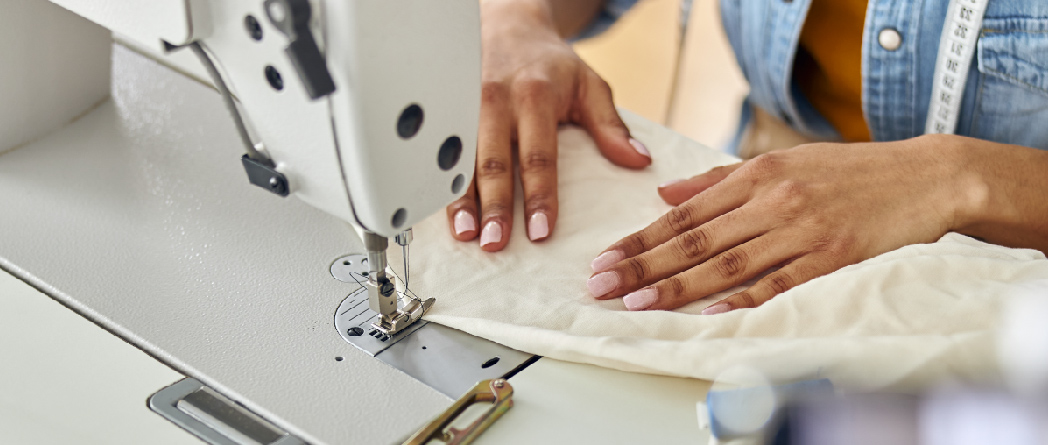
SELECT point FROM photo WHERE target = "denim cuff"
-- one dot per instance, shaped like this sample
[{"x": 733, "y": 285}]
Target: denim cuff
[{"x": 612, "y": 11}]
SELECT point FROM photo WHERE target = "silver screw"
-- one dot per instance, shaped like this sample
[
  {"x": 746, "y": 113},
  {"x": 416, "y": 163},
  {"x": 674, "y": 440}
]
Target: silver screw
[
  {"x": 273, "y": 182},
  {"x": 498, "y": 383}
]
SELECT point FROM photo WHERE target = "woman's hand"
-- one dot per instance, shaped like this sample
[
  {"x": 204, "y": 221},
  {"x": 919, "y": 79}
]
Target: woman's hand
[
  {"x": 532, "y": 82},
  {"x": 812, "y": 210}
]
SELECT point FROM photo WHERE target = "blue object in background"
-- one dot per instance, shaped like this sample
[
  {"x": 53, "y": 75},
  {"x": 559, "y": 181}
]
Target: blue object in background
[{"x": 727, "y": 403}]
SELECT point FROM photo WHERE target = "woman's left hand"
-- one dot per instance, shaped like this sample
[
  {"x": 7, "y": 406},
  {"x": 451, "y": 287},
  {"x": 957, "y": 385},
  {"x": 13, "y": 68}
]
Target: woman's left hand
[{"x": 812, "y": 210}]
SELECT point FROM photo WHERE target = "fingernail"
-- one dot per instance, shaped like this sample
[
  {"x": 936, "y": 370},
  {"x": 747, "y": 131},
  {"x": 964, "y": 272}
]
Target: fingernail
[
  {"x": 641, "y": 300},
  {"x": 669, "y": 183},
  {"x": 639, "y": 146},
  {"x": 464, "y": 222},
  {"x": 606, "y": 260},
  {"x": 718, "y": 308},
  {"x": 602, "y": 283},
  {"x": 491, "y": 234},
  {"x": 538, "y": 226}
]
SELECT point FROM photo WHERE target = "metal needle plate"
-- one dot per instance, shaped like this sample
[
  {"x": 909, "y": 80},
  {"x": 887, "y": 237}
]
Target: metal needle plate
[
  {"x": 449, "y": 360},
  {"x": 353, "y": 321}
]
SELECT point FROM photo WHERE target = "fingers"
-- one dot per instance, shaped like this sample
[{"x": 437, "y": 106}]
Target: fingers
[
  {"x": 462, "y": 215},
  {"x": 677, "y": 192},
  {"x": 537, "y": 144},
  {"x": 682, "y": 252},
  {"x": 494, "y": 175},
  {"x": 801, "y": 270},
  {"x": 595, "y": 111},
  {"x": 699, "y": 210},
  {"x": 724, "y": 271}
]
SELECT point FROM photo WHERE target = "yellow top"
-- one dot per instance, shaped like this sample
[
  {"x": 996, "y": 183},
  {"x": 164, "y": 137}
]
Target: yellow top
[{"x": 828, "y": 68}]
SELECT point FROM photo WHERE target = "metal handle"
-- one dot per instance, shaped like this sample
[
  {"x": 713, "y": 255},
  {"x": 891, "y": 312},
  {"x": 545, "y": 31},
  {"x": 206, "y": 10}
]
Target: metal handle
[
  {"x": 214, "y": 418},
  {"x": 497, "y": 391}
]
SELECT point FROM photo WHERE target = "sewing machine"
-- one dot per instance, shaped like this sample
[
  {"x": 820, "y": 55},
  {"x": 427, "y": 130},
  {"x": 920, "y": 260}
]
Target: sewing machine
[
  {"x": 188, "y": 175},
  {"x": 355, "y": 108},
  {"x": 122, "y": 197}
]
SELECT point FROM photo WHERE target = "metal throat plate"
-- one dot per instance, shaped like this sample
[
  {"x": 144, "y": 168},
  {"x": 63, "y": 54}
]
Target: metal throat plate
[
  {"x": 353, "y": 321},
  {"x": 448, "y": 360}
]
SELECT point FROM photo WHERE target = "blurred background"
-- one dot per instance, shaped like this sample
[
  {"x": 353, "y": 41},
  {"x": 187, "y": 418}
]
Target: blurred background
[{"x": 639, "y": 56}]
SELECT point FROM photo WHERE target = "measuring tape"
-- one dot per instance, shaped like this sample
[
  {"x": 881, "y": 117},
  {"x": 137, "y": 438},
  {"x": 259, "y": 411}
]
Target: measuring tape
[{"x": 956, "y": 48}]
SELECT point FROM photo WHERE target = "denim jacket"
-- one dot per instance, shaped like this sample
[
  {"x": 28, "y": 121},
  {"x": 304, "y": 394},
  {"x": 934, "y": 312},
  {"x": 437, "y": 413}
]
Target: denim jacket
[{"x": 1005, "y": 99}]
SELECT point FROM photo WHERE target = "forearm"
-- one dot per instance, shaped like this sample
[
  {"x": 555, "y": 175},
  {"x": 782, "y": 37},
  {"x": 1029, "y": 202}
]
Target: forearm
[
  {"x": 1005, "y": 191},
  {"x": 567, "y": 17}
]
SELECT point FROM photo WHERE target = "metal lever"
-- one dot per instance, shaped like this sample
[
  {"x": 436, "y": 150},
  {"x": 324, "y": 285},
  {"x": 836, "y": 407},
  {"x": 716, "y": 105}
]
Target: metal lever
[
  {"x": 260, "y": 170},
  {"x": 214, "y": 418},
  {"x": 292, "y": 17},
  {"x": 262, "y": 173},
  {"x": 498, "y": 392}
]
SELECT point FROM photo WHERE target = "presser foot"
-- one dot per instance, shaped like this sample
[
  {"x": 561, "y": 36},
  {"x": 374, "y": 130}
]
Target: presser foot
[{"x": 389, "y": 325}]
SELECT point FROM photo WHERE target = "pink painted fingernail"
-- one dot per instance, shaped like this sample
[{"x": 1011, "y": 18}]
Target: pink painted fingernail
[
  {"x": 538, "y": 226},
  {"x": 669, "y": 183},
  {"x": 639, "y": 146},
  {"x": 606, "y": 260},
  {"x": 602, "y": 283},
  {"x": 464, "y": 222},
  {"x": 641, "y": 300},
  {"x": 718, "y": 308},
  {"x": 491, "y": 234}
]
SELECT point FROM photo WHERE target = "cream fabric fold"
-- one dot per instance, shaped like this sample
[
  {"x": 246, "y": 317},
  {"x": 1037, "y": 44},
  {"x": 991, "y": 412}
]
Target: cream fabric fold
[{"x": 921, "y": 312}]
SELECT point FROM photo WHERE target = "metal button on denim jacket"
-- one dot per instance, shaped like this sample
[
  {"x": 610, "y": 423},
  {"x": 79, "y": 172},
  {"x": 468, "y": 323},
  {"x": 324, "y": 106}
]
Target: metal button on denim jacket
[{"x": 1005, "y": 99}]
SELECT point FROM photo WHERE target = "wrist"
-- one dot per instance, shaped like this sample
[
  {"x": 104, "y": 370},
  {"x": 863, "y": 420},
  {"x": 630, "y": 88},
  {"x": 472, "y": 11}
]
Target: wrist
[{"x": 965, "y": 185}]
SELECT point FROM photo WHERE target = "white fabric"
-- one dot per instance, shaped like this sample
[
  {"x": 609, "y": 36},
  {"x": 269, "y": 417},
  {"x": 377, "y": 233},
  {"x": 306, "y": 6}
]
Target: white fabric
[{"x": 923, "y": 311}]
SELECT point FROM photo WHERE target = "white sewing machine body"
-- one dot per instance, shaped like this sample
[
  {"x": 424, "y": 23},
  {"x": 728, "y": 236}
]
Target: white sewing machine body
[
  {"x": 131, "y": 206},
  {"x": 341, "y": 152},
  {"x": 365, "y": 110}
]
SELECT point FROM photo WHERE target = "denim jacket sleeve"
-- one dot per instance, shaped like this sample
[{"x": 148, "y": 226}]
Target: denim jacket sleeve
[{"x": 612, "y": 11}]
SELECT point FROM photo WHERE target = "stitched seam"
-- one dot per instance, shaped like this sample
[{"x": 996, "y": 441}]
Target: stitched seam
[
  {"x": 786, "y": 101},
  {"x": 1014, "y": 79},
  {"x": 986, "y": 31},
  {"x": 973, "y": 123},
  {"x": 989, "y": 54}
]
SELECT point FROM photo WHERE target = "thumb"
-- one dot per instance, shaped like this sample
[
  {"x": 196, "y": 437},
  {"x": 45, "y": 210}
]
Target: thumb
[
  {"x": 595, "y": 111},
  {"x": 677, "y": 192}
]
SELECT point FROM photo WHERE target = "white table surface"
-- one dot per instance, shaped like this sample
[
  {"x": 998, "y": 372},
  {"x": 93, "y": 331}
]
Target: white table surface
[{"x": 64, "y": 380}]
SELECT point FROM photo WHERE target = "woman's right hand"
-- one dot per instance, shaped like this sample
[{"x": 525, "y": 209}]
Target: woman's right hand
[{"x": 532, "y": 82}]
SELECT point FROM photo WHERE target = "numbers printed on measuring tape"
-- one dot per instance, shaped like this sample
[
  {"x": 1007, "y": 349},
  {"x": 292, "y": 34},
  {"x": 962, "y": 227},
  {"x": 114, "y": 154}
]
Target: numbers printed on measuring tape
[{"x": 956, "y": 48}]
